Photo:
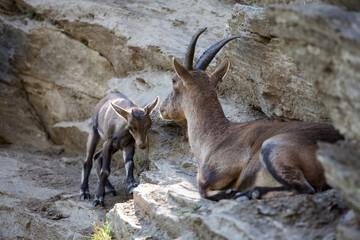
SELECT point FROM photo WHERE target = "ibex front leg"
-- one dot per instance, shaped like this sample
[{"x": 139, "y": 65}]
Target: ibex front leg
[
  {"x": 93, "y": 140},
  {"x": 128, "y": 154},
  {"x": 104, "y": 173}
]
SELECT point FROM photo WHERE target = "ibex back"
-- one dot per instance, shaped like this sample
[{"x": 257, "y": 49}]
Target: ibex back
[
  {"x": 249, "y": 160},
  {"x": 121, "y": 124}
]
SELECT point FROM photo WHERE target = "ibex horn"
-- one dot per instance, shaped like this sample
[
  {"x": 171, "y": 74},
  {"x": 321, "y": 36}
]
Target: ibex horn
[
  {"x": 189, "y": 57},
  {"x": 210, "y": 53}
]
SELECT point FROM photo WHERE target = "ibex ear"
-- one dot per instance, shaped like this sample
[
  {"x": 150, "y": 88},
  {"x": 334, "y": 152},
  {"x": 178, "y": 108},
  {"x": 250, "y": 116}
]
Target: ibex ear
[
  {"x": 182, "y": 72},
  {"x": 220, "y": 72},
  {"x": 148, "y": 109},
  {"x": 120, "y": 111}
]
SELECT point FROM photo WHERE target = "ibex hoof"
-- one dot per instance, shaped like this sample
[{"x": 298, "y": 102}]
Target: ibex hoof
[
  {"x": 255, "y": 194},
  {"x": 132, "y": 187},
  {"x": 230, "y": 191},
  {"x": 98, "y": 201},
  {"x": 84, "y": 195},
  {"x": 242, "y": 198},
  {"x": 238, "y": 194}
]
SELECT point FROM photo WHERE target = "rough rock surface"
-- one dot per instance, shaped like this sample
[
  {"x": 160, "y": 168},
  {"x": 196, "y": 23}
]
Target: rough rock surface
[
  {"x": 177, "y": 211},
  {"x": 342, "y": 170},
  {"x": 71, "y": 52},
  {"x": 341, "y": 163},
  {"x": 39, "y": 196},
  {"x": 55, "y": 73},
  {"x": 58, "y": 58},
  {"x": 325, "y": 40},
  {"x": 196, "y": 218},
  {"x": 262, "y": 75},
  {"x": 329, "y": 37},
  {"x": 266, "y": 3}
]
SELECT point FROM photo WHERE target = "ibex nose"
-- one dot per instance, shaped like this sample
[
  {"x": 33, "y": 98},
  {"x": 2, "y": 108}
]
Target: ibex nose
[{"x": 142, "y": 145}]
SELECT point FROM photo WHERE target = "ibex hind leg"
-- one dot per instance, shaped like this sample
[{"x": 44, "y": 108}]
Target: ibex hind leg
[
  {"x": 93, "y": 140},
  {"x": 109, "y": 189},
  {"x": 104, "y": 173},
  {"x": 282, "y": 162}
]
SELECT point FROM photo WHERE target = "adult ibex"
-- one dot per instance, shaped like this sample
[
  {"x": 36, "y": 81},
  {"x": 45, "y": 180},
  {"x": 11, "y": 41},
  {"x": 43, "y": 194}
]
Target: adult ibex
[
  {"x": 118, "y": 133},
  {"x": 249, "y": 160}
]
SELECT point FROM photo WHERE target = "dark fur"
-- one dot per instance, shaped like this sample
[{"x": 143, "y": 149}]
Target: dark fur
[{"x": 118, "y": 133}]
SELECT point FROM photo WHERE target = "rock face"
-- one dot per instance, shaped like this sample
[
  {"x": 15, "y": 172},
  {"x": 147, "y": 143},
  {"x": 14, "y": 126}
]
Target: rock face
[
  {"x": 16, "y": 111},
  {"x": 334, "y": 45},
  {"x": 58, "y": 58},
  {"x": 39, "y": 196},
  {"x": 266, "y": 3},
  {"x": 262, "y": 75},
  {"x": 183, "y": 214},
  {"x": 61, "y": 78},
  {"x": 71, "y": 53},
  {"x": 325, "y": 40}
]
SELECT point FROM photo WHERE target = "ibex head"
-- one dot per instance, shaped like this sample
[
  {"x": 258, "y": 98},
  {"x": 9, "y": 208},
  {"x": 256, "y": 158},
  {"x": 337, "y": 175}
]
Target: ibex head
[
  {"x": 138, "y": 121},
  {"x": 188, "y": 80}
]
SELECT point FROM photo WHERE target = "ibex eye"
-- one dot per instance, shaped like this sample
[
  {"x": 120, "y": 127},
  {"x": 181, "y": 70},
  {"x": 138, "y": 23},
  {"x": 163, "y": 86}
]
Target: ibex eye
[
  {"x": 173, "y": 81},
  {"x": 131, "y": 129}
]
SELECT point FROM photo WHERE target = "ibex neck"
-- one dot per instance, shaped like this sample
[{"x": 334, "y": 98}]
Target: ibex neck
[{"x": 206, "y": 121}]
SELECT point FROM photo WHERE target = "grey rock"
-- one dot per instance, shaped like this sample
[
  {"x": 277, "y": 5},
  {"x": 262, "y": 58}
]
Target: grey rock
[
  {"x": 342, "y": 167},
  {"x": 325, "y": 41},
  {"x": 60, "y": 57},
  {"x": 239, "y": 220},
  {"x": 266, "y": 3},
  {"x": 263, "y": 75}
]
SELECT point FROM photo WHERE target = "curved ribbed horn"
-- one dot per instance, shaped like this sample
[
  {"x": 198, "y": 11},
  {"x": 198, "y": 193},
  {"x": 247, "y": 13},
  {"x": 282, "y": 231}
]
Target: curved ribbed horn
[
  {"x": 210, "y": 53},
  {"x": 189, "y": 57}
]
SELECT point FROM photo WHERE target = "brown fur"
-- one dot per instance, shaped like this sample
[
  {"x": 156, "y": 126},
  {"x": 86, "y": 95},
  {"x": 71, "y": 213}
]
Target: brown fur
[{"x": 280, "y": 156}]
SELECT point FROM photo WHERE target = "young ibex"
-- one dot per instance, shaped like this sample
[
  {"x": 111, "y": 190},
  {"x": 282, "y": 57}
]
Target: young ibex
[
  {"x": 249, "y": 160},
  {"x": 118, "y": 133}
]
